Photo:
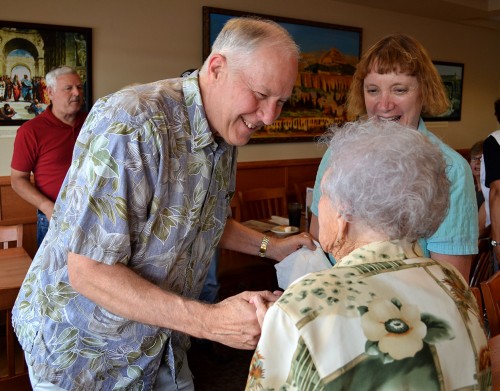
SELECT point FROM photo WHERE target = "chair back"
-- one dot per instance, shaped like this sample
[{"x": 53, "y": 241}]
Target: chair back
[
  {"x": 236, "y": 206},
  {"x": 13, "y": 369},
  {"x": 11, "y": 233},
  {"x": 262, "y": 203},
  {"x": 300, "y": 191},
  {"x": 479, "y": 300},
  {"x": 491, "y": 299},
  {"x": 482, "y": 263}
]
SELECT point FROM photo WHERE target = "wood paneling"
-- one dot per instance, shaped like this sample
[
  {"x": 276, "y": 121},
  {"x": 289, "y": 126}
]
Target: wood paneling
[
  {"x": 276, "y": 173},
  {"x": 14, "y": 210}
]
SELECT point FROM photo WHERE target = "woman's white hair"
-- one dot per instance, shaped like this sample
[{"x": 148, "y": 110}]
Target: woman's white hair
[
  {"x": 389, "y": 177},
  {"x": 240, "y": 37}
]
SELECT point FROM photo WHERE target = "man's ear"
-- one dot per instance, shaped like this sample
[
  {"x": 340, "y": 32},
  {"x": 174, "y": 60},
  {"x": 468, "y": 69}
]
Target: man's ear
[{"x": 216, "y": 66}]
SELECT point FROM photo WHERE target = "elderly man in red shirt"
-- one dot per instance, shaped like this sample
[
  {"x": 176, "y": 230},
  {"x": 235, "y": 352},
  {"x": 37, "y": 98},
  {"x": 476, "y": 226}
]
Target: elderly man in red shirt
[{"x": 44, "y": 145}]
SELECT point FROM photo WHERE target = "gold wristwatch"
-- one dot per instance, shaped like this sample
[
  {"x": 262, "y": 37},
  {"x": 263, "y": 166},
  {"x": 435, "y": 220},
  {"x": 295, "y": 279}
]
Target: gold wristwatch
[{"x": 263, "y": 246}]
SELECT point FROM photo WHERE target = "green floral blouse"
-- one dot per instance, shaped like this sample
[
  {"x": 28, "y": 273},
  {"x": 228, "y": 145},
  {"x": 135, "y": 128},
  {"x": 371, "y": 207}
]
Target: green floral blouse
[
  {"x": 383, "y": 318},
  {"x": 149, "y": 187}
]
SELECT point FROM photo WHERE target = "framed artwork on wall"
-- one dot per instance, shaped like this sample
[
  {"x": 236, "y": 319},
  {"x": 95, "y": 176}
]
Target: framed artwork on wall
[
  {"x": 27, "y": 53},
  {"x": 330, "y": 53},
  {"x": 452, "y": 74}
]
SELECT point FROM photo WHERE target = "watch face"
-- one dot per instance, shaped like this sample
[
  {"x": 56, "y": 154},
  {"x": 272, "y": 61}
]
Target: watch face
[{"x": 494, "y": 243}]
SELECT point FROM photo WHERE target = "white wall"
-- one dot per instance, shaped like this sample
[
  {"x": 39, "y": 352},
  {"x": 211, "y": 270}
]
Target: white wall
[{"x": 142, "y": 41}]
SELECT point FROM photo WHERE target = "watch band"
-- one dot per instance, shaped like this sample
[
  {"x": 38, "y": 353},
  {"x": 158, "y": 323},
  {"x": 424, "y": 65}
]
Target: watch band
[
  {"x": 494, "y": 243},
  {"x": 263, "y": 246}
]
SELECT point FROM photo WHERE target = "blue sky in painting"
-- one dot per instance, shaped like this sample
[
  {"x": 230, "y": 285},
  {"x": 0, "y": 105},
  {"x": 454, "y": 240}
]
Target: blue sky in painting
[{"x": 309, "y": 38}]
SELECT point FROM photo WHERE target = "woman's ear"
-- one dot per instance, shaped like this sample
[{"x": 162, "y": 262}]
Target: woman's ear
[{"x": 341, "y": 227}]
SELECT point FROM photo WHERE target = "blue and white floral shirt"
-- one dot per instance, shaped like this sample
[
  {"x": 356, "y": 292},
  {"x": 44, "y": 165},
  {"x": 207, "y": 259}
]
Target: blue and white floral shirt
[{"x": 149, "y": 187}]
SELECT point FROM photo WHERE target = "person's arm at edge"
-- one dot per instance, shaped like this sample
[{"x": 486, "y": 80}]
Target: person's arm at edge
[
  {"x": 461, "y": 262},
  {"x": 121, "y": 291},
  {"x": 21, "y": 184},
  {"x": 461, "y": 220},
  {"x": 239, "y": 238},
  {"x": 483, "y": 230},
  {"x": 495, "y": 214}
]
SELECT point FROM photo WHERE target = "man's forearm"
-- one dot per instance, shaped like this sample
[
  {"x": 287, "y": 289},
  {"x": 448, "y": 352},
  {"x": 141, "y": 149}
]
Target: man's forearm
[
  {"x": 28, "y": 192},
  {"x": 239, "y": 238},
  {"x": 122, "y": 292}
]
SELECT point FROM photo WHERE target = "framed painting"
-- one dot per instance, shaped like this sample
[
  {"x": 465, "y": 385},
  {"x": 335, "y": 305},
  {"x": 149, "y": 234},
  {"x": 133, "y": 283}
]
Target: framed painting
[
  {"x": 27, "y": 53},
  {"x": 452, "y": 74},
  {"x": 330, "y": 53}
]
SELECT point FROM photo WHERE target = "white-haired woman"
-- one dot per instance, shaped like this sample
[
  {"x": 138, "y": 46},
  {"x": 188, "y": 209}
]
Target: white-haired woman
[{"x": 384, "y": 317}]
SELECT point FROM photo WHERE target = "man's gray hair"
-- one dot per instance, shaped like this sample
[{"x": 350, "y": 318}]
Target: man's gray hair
[
  {"x": 51, "y": 77},
  {"x": 389, "y": 177},
  {"x": 240, "y": 37}
]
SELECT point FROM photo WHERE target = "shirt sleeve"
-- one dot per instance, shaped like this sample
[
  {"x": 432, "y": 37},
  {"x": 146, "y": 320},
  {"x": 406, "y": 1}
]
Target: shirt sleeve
[
  {"x": 458, "y": 233},
  {"x": 317, "y": 184},
  {"x": 491, "y": 156},
  {"x": 24, "y": 154},
  {"x": 109, "y": 187},
  {"x": 271, "y": 366}
]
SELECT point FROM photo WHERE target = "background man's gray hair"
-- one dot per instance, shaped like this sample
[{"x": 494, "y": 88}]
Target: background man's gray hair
[{"x": 51, "y": 77}]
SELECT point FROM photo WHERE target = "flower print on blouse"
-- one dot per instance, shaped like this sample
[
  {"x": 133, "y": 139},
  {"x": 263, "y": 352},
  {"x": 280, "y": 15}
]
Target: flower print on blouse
[{"x": 382, "y": 318}]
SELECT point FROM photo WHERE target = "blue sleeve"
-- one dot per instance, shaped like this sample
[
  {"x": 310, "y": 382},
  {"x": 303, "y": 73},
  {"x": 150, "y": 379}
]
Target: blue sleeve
[
  {"x": 458, "y": 233},
  {"x": 317, "y": 184}
]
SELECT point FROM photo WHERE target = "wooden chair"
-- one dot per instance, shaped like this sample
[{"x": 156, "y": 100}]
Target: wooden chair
[
  {"x": 300, "y": 191},
  {"x": 263, "y": 203},
  {"x": 11, "y": 233},
  {"x": 482, "y": 264},
  {"x": 13, "y": 370},
  {"x": 236, "y": 206},
  {"x": 477, "y": 295},
  {"x": 491, "y": 299}
]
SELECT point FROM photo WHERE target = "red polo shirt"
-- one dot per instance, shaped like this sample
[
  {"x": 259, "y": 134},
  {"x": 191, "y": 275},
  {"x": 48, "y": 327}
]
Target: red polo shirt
[{"x": 44, "y": 146}]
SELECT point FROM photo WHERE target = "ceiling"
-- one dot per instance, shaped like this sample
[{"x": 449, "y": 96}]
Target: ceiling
[{"x": 479, "y": 13}]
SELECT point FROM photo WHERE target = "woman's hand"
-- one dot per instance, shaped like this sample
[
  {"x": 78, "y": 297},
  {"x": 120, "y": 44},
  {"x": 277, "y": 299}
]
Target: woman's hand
[{"x": 262, "y": 305}]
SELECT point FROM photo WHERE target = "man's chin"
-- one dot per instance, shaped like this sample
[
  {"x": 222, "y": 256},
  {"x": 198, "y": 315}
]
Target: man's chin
[
  {"x": 239, "y": 142},
  {"x": 241, "y": 138}
]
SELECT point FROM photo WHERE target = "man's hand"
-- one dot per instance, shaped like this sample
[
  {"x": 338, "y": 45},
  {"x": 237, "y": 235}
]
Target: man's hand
[
  {"x": 237, "y": 237},
  {"x": 281, "y": 248},
  {"x": 234, "y": 321}
]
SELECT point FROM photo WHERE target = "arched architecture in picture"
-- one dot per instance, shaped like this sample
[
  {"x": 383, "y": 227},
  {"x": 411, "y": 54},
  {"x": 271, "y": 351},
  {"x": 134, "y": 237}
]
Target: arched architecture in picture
[
  {"x": 27, "y": 53},
  {"x": 22, "y": 50}
]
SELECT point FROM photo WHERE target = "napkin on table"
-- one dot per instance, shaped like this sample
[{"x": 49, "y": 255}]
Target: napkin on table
[{"x": 279, "y": 220}]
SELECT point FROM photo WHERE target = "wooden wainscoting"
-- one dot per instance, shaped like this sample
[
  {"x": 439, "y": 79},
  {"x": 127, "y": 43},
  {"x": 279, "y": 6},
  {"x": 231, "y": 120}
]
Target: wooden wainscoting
[
  {"x": 276, "y": 173},
  {"x": 269, "y": 173},
  {"x": 14, "y": 210}
]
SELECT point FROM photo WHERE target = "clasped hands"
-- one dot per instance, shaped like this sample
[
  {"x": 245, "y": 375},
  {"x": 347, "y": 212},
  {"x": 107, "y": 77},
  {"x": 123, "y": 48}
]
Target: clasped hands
[{"x": 262, "y": 304}]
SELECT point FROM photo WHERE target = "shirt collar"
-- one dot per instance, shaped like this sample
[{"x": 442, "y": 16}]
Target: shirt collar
[
  {"x": 80, "y": 118},
  {"x": 201, "y": 135},
  {"x": 385, "y": 251}
]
